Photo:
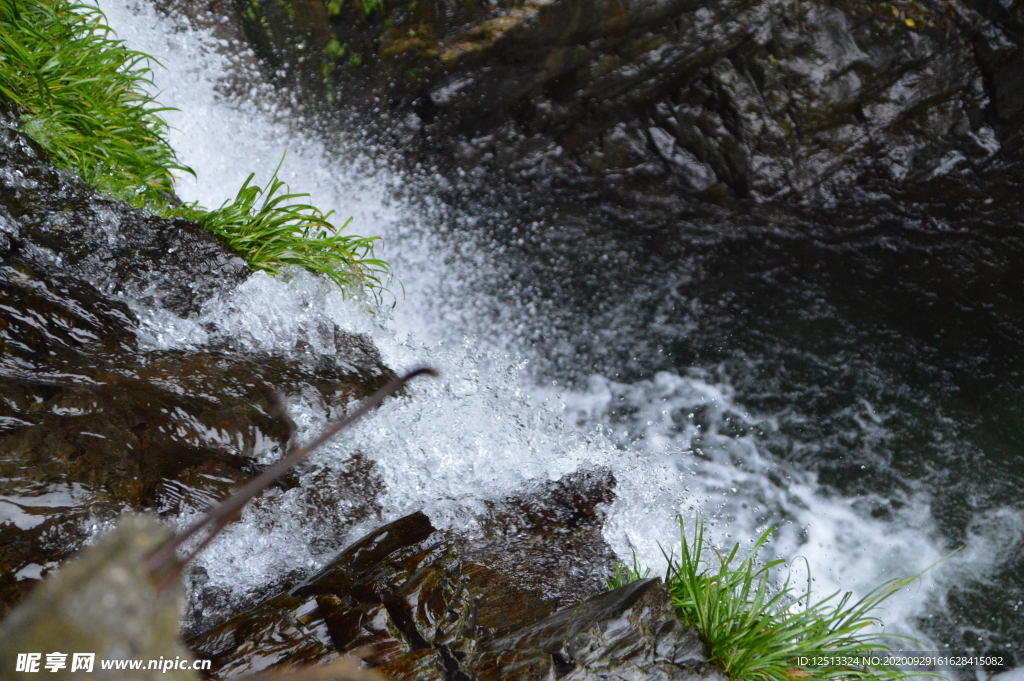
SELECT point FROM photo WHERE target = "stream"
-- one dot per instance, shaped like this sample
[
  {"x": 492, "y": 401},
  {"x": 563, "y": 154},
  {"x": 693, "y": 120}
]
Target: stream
[{"x": 850, "y": 375}]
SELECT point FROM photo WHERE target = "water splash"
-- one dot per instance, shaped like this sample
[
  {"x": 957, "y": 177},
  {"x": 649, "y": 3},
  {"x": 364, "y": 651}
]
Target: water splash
[{"x": 676, "y": 444}]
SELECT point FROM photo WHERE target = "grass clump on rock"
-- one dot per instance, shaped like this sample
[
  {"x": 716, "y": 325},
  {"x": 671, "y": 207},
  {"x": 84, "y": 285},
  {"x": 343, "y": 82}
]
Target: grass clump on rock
[
  {"x": 756, "y": 631},
  {"x": 272, "y": 231},
  {"x": 83, "y": 96}
]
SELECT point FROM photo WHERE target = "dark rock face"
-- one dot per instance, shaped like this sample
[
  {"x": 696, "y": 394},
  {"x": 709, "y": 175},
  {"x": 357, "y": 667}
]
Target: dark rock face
[
  {"x": 629, "y": 633},
  {"x": 58, "y": 224},
  {"x": 419, "y": 607},
  {"x": 762, "y": 98},
  {"x": 556, "y": 530},
  {"x": 90, "y": 424}
]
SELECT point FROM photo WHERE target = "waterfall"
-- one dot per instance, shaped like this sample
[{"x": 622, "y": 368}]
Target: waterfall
[{"x": 676, "y": 442}]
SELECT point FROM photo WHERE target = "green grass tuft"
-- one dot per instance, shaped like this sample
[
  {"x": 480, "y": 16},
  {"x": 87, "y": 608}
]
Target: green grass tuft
[
  {"x": 755, "y": 631},
  {"x": 83, "y": 96},
  {"x": 271, "y": 230}
]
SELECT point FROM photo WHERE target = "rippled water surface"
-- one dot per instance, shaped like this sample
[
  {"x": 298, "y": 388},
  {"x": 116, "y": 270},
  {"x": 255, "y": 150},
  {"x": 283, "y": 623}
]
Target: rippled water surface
[{"x": 851, "y": 375}]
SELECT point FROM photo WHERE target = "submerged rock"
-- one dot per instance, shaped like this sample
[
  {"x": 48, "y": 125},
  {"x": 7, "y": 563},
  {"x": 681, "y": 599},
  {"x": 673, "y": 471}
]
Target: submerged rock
[{"x": 92, "y": 424}]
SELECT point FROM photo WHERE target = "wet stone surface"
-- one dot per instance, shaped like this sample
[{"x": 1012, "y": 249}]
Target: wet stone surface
[
  {"x": 556, "y": 531},
  {"x": 759, "y": 99},
  {"x": 422, "y": 604},
  {"x": 90, "y": 423},
  {"x": 57, "y": 224}
]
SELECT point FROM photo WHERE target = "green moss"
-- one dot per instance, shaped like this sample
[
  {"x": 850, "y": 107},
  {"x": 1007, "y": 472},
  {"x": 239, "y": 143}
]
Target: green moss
[
  {"x": 334, "y": 50},
  {"x": 288, "y": 9}
]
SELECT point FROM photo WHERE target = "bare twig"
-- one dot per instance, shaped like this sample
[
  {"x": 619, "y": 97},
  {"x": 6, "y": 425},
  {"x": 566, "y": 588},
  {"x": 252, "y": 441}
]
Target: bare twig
[{"x": 164, "y": 557}]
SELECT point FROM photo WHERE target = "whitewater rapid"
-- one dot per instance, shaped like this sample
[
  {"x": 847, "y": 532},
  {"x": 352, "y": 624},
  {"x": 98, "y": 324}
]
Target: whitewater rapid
[{"x": 676, "y": 443}]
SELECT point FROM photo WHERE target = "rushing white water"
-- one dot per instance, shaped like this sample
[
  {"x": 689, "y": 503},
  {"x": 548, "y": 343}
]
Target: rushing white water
[{"x": 675, "y": 443}]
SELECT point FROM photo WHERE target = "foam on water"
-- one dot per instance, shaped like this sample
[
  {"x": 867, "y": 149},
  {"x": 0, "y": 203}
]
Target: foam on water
[
  {"x": 675, "y": 443},
  {"x": 724, "y": 473}
]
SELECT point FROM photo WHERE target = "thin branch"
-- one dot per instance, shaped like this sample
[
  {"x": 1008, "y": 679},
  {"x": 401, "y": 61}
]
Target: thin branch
[{"x": 219, "y": 516}]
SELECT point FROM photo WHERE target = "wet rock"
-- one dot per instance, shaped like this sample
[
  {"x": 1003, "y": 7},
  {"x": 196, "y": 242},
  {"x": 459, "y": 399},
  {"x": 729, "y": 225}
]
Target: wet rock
[
  {"x": 501, "y": 602},
  {"x": 276, "y": 631},
  {"x": 766, "y": 98},
  {"x": 548, "y": 539},
  {"x": 322, "y": 503},
  {"x": 408, "y": 598},
  {"x": 90, "y": 423},
  {"x": 341, "y": 608},
  {"x": 629, "y": 633},
  {"x": 117, "y": 249},
  {"x": 1009, "y": 86}
]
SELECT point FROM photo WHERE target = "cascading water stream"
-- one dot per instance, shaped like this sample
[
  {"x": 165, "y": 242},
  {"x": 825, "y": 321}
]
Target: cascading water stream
[{"x": 676, "y": 443}]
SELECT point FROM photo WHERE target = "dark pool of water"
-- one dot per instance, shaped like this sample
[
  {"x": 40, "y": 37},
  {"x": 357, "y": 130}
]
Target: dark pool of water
[{"x": 901, "y": 304}]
